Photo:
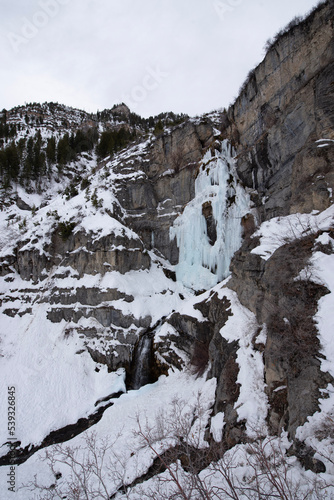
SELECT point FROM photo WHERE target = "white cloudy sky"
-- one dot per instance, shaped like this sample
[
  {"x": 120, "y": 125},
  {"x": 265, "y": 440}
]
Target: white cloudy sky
[{"x": 186, "y": 56}]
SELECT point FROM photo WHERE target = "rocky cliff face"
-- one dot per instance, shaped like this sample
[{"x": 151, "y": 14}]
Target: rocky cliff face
[
  {"x": 97, "y": 269},
  {"x": 282, "y": 152},
  {"x": 285, "y": 106},
  {"x": 166, "y": 184}
]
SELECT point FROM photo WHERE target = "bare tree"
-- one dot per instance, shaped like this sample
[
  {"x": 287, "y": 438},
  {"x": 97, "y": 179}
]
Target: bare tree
[
  {"x": 90, "y": 470},
  {"x": 191, "y": 467}
]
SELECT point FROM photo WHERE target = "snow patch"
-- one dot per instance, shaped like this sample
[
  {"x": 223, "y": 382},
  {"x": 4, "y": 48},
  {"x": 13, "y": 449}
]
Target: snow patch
[
  {"x": 282, "y": 230},
  {"x": 252, "y": 404}
]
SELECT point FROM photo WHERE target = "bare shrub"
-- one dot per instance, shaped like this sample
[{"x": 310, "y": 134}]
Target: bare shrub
[
  {"x": 89, "y": 471},
  {"x": 191, "y": 468},
  {"x": 274, "y": 474},
  {"x": 251, "y": 77},
  {"x": 263, "y": 472}
]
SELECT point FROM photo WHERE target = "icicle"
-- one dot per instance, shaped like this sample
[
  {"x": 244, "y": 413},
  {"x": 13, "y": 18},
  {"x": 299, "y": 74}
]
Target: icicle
[{"x": 202, "y": 263}]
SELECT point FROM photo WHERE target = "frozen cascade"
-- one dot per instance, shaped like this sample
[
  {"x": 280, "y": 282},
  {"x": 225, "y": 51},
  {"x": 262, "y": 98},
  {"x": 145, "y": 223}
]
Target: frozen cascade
[
  {"x": 204, "y": 261},
  {"x": 142, "y": 362}
]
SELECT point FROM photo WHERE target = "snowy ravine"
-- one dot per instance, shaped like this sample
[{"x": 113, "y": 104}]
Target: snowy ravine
[{"x": 204, "y": 261}]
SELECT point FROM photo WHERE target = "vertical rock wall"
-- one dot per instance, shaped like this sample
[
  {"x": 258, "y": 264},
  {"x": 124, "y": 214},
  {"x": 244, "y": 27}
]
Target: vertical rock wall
[{"x": 286, "y": 106}]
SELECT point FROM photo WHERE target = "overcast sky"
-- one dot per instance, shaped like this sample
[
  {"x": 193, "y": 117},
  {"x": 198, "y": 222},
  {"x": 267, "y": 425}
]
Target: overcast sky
[{"x": 186, "y": 56}]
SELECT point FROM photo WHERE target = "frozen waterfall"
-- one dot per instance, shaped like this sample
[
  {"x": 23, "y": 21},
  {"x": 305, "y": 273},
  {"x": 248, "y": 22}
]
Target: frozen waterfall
[
  {"x": 142, "y": 362},
  {"x": 209, "y": 231}
]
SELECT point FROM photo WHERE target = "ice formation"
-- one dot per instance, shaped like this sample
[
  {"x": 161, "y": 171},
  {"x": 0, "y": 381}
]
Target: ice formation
[{"x": 203, "y": 260}]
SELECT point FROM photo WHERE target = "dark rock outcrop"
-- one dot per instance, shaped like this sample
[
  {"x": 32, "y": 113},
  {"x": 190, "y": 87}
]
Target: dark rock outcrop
[{"x": 287, "y": 305}]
